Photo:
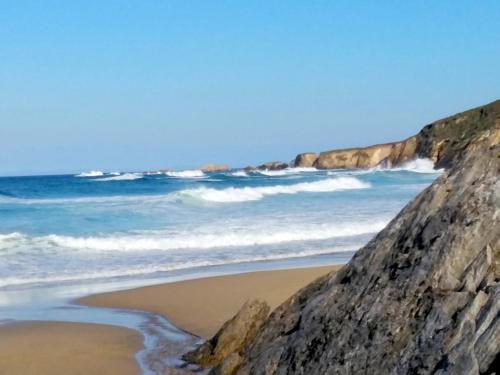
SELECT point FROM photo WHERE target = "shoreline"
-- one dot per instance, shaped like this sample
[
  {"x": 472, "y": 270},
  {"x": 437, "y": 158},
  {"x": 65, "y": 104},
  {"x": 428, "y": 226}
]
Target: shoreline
[
  {"x": 200, "y": 306},
  {"x": 197, "y": 306}
]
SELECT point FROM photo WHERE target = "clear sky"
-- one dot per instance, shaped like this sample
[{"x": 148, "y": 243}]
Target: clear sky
[{"x": 134, "y": 85}]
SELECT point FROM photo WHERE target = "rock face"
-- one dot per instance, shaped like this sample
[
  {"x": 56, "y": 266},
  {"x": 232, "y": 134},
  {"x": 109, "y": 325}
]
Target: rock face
[
  {"x": 305, "y": 160},
  {"x": 444, "y": 141},
  {"x": 367, "y": 157},
  {"x": 273, "y": 166},
  {"x": 223, "y": 349},
  {"x": 423, "y": 297},
  {"x": 441, "y": 141},
  {"x": 214, "y": 168}
]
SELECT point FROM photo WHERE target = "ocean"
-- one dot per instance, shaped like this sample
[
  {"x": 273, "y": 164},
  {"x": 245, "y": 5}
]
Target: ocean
[
  {"x": 95, "y": 227},
  {"x": 64, "y": 237}
]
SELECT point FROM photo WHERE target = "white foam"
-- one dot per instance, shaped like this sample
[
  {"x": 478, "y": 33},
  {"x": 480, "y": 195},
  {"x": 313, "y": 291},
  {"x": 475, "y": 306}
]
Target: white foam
[
  {"x": 90, "y": 174},
  {"x": 156, "y": 268},
  {"x": 419, "y": 166},
  {"x": 195, "y": 173},
  {"x": 239, "y": 174},
  {"x": 122, "y": 177},
  {"x": 244, "y": 194},
  {"x": 165, "y": 241},
  {"x": 286, "y": 171}
]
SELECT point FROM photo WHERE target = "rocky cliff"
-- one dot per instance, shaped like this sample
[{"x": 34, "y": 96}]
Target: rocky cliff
[
  {"x": 423, "y": 297},
  {"x": 367, "y": 157},
  {"x": 440, "y": 141}
]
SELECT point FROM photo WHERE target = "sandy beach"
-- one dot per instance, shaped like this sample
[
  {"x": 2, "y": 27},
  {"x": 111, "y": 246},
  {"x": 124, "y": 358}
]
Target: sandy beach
[
  {"x": 57, "y": 348},
  {"x": 201, "y": 306}
]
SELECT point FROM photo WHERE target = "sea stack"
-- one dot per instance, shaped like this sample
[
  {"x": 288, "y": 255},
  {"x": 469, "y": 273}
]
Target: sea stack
[{"x": 305, "y": 160}]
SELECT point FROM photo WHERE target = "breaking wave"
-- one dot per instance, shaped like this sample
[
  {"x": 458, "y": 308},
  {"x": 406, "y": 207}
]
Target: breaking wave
[
  {"x": 286, "y": 171},
  {"x": 90, "y": 174},
  {"x": 239, "y": 174},
  {"x": 419, "y": 166},
  {"x": 244, "y": 194},
  {"x": 195, "y": 173},
  {"x": 122, "y": 177},
  {"x": 163, "y": 240}
]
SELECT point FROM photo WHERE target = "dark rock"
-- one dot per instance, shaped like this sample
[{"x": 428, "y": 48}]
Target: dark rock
[
  {"x": 273, "y": 166},
  {"x": 233, "y": 337},
  {"x": 422, "y": 297}
]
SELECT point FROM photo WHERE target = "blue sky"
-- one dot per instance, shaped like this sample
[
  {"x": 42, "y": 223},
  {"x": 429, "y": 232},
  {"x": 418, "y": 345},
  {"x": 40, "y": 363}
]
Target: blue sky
[{"x": 134, "y": 85}]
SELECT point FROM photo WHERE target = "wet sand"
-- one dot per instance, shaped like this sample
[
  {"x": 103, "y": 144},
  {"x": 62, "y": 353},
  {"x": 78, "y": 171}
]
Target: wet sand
[
  {"x": 201, "y": 306},
  {"x": 59, "y": 348}
]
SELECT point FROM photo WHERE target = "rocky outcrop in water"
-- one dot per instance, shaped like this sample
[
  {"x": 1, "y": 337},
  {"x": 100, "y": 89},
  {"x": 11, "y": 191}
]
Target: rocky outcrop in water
[
  {"x": 305, "y": 160},
  {"x": 214, "y": 168},
  {"x": 273, "y": 166},
  {"x": 423, "y": 297}
]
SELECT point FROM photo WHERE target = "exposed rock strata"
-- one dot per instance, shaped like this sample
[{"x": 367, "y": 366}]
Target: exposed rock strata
[{"x": 423, "y": 297}]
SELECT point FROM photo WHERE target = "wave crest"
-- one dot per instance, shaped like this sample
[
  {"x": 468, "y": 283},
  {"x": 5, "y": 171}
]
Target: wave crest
[
  {"x": 90, "y": 174},
  {"x": 244, "y": 194},
  {"x": 287, "y": 171},
  {"x": 195, "y": 173},
  {"x": 122, "y": 177},
  {"x": 164, "y": 240}
]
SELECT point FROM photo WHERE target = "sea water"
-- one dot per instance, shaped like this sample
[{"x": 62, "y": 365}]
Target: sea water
[
  {"x": 96, "y": 227},
  {"x": 62, "y": 237}
]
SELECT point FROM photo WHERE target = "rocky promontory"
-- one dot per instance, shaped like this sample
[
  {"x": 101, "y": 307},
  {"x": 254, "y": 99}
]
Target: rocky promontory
[
  {"x": 423, "y": 296},
  {"x": 440, "y": 141}
]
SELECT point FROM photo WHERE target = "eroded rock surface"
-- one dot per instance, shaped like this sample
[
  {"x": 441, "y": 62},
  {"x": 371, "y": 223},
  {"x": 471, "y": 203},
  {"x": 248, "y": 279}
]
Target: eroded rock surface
[
  {"x": 423, "y": 297},
  {"x": 367, "y": 157}
]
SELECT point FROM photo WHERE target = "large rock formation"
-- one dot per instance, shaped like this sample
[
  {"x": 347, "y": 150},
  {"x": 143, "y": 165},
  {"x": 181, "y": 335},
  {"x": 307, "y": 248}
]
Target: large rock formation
[
  {"x": 441, "y": 141},
  {"x": 367, "y": 157},
  {"x": 423, "y": 297}
]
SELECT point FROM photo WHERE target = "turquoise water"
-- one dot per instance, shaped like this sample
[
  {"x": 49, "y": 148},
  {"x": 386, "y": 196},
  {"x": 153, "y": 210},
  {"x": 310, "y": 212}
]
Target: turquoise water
[{"x": 95, "y": 228}]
